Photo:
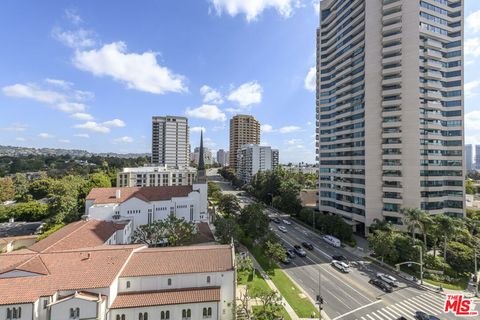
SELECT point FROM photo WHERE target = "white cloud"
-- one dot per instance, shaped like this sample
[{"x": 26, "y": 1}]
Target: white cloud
[
  {"x": 64, "y": 141},
  {"x": 114, "y": 123},
  {"x": 197, "y": 129},
  {"x": 82, "y": 116},
  {"x": 294, "y": 142},
  {"x": 234, "y": 110},
  {"x": 473, "y": 21},
  {"x": 311, "y": 79},
  {"x": 316, "y": 6},
  {"x": 59, "y": 83},
  {"x": 266, "y": 128},
  {"x": 253, "y": 8},
  {"x": 209, "y": 143},
  {"x": 211, "y": 95},
  {"x": 30, "y": 91},
  {"x": 124, "y": 139},
  {"x": 247, "y": 94},
  {"x": 45, "y": 135},
  {"x": 470, "y": 88},
  {"x": 289, "y": 129},
  {"x": 138, "y": 71},
  {"x": 21, "y": 139},
  {"x": 70, "y": 107},
  {"x": 472, "y": 47},
  {"x": 72, "y": 16},
  {"x": 76, "y": 39},
  {"x": 82, "y": 135},
  {"x": 16, "y": 127},
  {"x": 207, "y": 112},
  {"x": 472, "y": 120}
]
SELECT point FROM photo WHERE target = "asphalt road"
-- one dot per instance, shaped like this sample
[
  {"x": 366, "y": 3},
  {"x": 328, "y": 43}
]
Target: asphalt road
[{"x": 347, "y": 296}]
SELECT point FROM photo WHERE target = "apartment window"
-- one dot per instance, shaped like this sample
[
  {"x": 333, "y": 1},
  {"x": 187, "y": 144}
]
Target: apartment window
[
  {"x": 45, "y": 304},
  {"x": 207, "y": 313},
  {"x": 143, "y": 316},
  {"x": 186, "y": 314},
  {"x": 128, "y": 284},
  {"x": 165, "y": 315},
  {"x": 208, "y": 279},
  {"x": 169, "y": 281},
  {"x": 74, "y": 313}
]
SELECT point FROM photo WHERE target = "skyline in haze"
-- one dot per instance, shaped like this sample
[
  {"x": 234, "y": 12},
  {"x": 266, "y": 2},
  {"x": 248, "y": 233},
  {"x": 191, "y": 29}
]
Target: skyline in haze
[{"x": 91, "y": 75}]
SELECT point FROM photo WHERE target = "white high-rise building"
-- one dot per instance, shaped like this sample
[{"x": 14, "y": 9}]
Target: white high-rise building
[
  {"x": 170, "y": 141},
  {"x": 222, "y": 157},
  {"x": 253, "y": 158},
  {"x": 469, "y": 157},
  {"x": 390, "y": 108}
]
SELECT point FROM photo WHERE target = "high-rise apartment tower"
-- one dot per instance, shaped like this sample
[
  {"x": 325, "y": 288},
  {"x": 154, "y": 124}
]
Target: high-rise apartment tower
[
  {"x": 469, "y": 157},
  {"x": 170, "y": 141},
  {"x": 390, "y": 108},
  {"x": 244, "y": 129}
]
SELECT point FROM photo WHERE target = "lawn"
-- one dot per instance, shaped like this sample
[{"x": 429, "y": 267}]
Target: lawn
[
  {"x": 284, "y": 312},
  {"x": 255, "y": 283},
  {"x": 301, "y": 304},
  {"x": 462, "y": 284}
]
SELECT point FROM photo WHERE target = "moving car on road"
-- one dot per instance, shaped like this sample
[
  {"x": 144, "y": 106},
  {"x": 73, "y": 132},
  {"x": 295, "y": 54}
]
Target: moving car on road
[
  {"x": 341, "y": 258},
  {"x": 420, "y": 315},
  {"x": 276, "y": 220},
  {"x": 340, "y": 265},
  {"x": 299, "y": 251},
  {"x": 290, "y": 253},
  {"x": 287, "y": 260},
  {"x": 307, "y": 245},
  {"x": 331, "y": 240},
  {"x": 286, "y": 222},
  {"x": 381, "y": 284},
  {"x": 388, "y": 279},
  {"x": 283, "y": 229}
]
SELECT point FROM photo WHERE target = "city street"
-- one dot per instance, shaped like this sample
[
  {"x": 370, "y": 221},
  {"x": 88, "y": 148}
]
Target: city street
[{"x": 346, "y": 296}]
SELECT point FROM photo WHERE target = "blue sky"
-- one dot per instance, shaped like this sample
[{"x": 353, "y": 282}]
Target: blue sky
[{"x": 90, "y": 74}]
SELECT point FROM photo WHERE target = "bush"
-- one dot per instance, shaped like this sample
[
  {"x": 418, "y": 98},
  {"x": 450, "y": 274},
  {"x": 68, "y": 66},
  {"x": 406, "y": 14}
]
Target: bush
[{"x": 49, "y": 230}]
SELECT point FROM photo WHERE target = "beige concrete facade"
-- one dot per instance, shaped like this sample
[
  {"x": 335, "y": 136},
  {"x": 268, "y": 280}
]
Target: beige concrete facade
[
  {"x": 170, "y": 141},
  {"x": 244, "y": 129},
  {"x": 390, "y": 108}
]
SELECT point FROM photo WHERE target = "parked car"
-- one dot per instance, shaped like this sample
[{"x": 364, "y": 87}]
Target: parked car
[
  {"x": 276, "y": 220},
  {"x": 286, "y": 222},
  {"x": 331, "y": 240},
  {"x": 381, "y": 284},
  {"x": 283, "y": 229},
  {"x": 307, "y": 245},
  {"x": 402, "y": 318},
  {"x": 420, "y": 315},
  {"x": 291, "y": 253},
  {"x": 341, "y": 258},
  {"x": 388, "y": 279},
  {"x": 299, "y": 251},
  {"x": 340, "y": 265},
  {"x": 287, "y": 259}
]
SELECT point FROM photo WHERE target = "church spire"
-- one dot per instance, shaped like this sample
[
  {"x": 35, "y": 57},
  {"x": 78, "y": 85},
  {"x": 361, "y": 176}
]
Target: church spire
[{"x": 201, "y": 160}]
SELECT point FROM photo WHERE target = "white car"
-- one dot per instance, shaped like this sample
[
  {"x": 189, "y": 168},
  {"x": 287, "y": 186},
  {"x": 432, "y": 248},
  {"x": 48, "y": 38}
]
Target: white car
[
  {"x": 388, "y": 279},
  {"x": 286, "y": 222},
  {"x": 331, "y": 240},
  {"x": 340, "y": 265},
  {"x": 283, "y": 229}
]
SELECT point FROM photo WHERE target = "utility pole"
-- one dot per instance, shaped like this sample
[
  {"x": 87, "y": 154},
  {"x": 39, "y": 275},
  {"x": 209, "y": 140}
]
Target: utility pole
[{"x": 421, "y": 265}]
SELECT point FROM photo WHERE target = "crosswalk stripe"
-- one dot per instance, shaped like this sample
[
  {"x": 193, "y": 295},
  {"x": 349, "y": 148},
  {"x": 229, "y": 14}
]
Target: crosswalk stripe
[
  {"x": 363, "y": 318},
  {"x": 404, "y": 308},
  {"x": 407, "y": 306},
  {"x": 438, "y": 301},
  {"x": 389, "y": 313},
  {"x": 376, "y": 315},
  {"x": 434, "y": 304},
  {"x": 393, "y": 311},
  {"x": 384, "y": 314},
  {"x": 423, "y": 305},
  {"x": 369, "y": 316},
  {"x": 400, "y": 312}
]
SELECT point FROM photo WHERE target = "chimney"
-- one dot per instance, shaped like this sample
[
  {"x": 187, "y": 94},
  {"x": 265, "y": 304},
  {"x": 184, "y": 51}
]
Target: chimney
[{"x": 118, "y": 194}]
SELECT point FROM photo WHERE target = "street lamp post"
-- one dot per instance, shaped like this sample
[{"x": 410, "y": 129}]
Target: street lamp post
[{"x": 421, "y": 264}]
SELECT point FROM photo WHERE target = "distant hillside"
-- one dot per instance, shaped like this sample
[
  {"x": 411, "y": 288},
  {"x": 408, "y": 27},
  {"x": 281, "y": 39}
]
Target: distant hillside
[{"x": 23, "y": 151}]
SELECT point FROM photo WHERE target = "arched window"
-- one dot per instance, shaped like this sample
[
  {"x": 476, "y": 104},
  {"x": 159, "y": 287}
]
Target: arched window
[
  {"x": 208, "y": 279},
  {"x": 162, "y": 315},
  {"x": 204, "y": 312},
  {"x": 189, "y": 313},
  {"x": 77, "y": 313},
  {"x": 123, "y": 317},
  {"x": 9, "y": 313},
  {"x": 209, "y": 313},
  {"x": 169, "y": 281},
  {"x": 128, "y": 284},
  {"x": 14, "y": 313},
  {"x": 145, "y": 316},
  {"x": 19, "y": 312},
  {"x": 167, "y": 315},
  {"x": 72, "y": 313},
  {"x": 184, "y": 313},
  {"x": 117, "y": 317},
  {"x": 140, "y": 316}
]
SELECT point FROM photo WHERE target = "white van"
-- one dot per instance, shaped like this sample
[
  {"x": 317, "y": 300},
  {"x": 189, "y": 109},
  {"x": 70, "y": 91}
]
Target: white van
[{"x": 331, "y": 240}]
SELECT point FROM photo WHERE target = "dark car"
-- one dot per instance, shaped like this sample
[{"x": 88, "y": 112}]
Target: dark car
[
  {"x": 276, "y": 220},
  {"x": 402, "y": 318},
  {"x": 381, "y": 284},
  {"x": 420, "y": 315},
  {"x": 307, "y": 245},
  {"x": 299, "y": 251},
  {"x": 341, "y": 258},
  {"x": 291, "y": 253}
]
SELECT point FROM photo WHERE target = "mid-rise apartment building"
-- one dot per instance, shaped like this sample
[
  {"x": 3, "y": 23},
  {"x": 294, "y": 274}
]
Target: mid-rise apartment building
[
  {"x": 170, "y": 141},
  {"x": 244, "y": 129},
  {"x": 390, "y": 108},
  {"x": 157, "y": 176},
  {"x": 469, "y": 157},
  {"x": 254, "y": 158},
  {"x": 207, "y": 156},
  {"x": 477, "y": 156},
  {"x": 222, "y": 157}
]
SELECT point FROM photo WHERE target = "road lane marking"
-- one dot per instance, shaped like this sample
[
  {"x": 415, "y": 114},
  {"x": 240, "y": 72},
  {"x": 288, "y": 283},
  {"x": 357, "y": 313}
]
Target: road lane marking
[
  {"x": 401, "y": 311},
  {"x": 359, "y": 308},
  {"x": 405, "y": 305},
  {"x": 421, "y": 305},
  {"x": 389, "y": 313},
  {"x": 370, "y": 317},
  {"x": 395, "y": 313},
  {"x": 376, "y": 315},
  {"x": 432, "y": 300}
]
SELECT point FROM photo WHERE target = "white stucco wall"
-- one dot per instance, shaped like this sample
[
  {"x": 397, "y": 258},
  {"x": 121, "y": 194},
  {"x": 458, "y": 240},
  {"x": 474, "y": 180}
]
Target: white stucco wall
[
  {"x": 27, "y": 310},
  {"x": 175, "y": 311}
]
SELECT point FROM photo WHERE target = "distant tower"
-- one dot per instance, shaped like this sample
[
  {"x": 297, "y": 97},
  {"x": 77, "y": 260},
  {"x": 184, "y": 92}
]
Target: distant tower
[{"x": 201, "y": 175}]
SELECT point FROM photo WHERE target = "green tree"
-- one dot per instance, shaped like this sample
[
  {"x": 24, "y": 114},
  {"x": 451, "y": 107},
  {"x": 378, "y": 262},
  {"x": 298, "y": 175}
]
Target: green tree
[
  {"x": 178, "y": 231},
  {"x": 152, "y": 234},
  {"x": 29, "y": 211},
  {"x": 274, "y": 251},
  {"x": 460, "y": 257},
  {"x": 228, "y": 204},
  {"x": 21, "y": 183},
  {"x": 65, "y": 201},
  {"x": 383, "y": 244},
  {"x": 7, "y": 189},
  {"x": 270, "y": 306},
  {"x": 226, "y": 229},
  {"x": 40, "y": 188},
  {"x": 414, "y": 219},
  {"x": 446, "y": 227},
  {"x": 253, "y": 221}
]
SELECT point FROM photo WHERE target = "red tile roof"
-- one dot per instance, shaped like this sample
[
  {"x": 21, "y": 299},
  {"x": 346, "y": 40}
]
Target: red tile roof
[
  {"x": 166, "y": 297},
  {"x": 80, "y": 234},
  {"x": 172, "y": 260},
  {"x": 107, "y": 195}
]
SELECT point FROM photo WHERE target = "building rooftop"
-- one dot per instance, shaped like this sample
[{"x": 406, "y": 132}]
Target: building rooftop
[
  {"x": 108, "y": 195},
  {"x": 166, "y": 297}
]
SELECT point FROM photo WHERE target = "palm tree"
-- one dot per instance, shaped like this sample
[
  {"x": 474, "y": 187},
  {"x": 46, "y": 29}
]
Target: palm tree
[
  {"x": 448, "y": 227},
  {"x": 414, "y": 219}
]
